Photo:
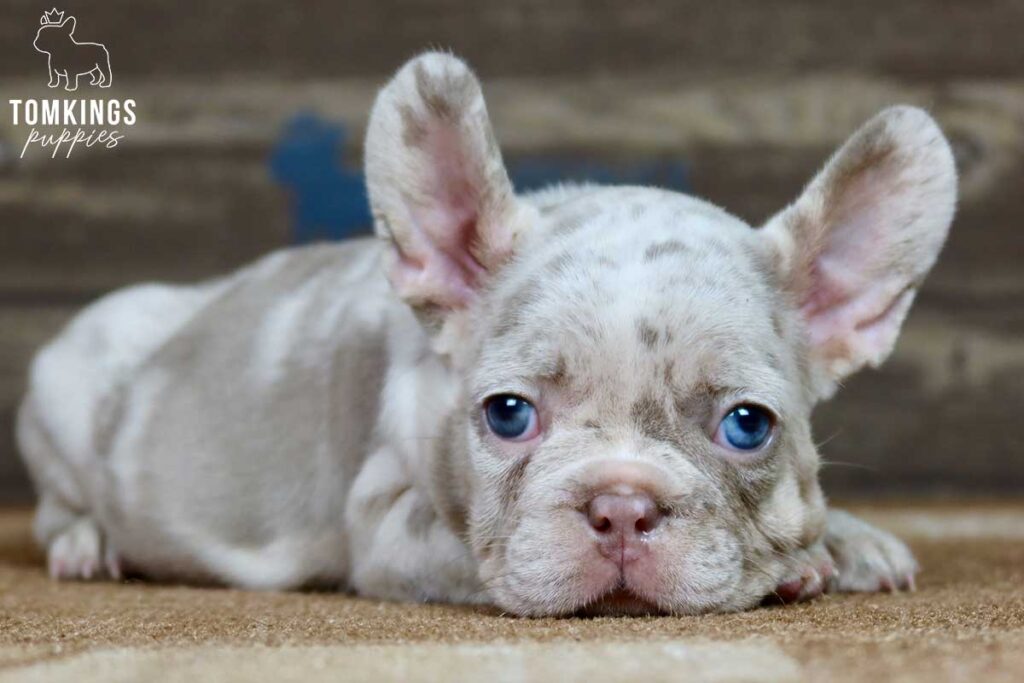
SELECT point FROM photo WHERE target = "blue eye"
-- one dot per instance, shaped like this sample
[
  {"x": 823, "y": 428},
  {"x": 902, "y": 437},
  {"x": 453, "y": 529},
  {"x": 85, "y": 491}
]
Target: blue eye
[
  {"x": 745, "y": 428},
  {"x": 511, "y": 417}
]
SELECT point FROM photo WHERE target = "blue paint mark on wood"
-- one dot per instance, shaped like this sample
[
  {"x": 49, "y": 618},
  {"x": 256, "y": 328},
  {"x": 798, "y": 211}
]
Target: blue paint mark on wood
[{"x": 328, "y": 200}]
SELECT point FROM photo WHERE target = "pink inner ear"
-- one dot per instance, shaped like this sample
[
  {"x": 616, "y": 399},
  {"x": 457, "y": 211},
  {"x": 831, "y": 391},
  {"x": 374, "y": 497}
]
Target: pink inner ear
[
  {"x": 439, "y": 260},
  {"x": 855, "y": 299},
  {"x": 864, "y": 326}
]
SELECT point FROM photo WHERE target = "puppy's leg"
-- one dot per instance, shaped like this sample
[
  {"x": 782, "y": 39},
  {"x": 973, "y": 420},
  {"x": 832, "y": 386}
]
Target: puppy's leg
[
  {"x": 811, "y": 571},
  {"x": 79, "y": 550},
  {"x": 867, "y": 559},
  {"x": 401, "y": 548},
  {"x": 852, "y": 557},
  {"x": 75, "y": 548}
]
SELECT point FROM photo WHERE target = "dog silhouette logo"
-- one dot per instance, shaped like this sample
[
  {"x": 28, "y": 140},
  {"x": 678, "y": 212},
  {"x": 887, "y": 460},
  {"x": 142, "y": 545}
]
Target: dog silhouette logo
[{"x": 68, "y": 58}]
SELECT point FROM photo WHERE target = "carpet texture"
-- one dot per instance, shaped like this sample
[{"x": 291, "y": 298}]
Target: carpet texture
[{"x": 965, "y": 622}]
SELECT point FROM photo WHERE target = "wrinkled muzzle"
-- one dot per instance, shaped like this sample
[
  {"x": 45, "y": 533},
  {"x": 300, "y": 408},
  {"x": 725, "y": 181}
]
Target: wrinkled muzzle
[{"x": 618, "y": 536}]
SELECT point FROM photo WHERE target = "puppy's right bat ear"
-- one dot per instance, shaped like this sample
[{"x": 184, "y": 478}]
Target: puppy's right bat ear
[
  {"x": 438, "y": 189},
  {"x": 856, "y": 245}
]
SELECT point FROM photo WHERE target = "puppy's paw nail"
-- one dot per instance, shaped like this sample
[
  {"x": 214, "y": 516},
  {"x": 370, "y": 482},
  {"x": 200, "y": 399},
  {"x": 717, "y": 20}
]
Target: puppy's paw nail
[
  {"x": 112, "y": 563},
  {"x": 113, "y": 569},
  {"x": 832, "y": 583},
  {"x": 790, "y": 590},
  {"x": 56, "y": 570}
]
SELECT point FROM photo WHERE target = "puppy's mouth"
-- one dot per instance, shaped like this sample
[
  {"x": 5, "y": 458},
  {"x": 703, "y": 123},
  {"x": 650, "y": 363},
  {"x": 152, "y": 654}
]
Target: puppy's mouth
[{"x": 620, "y": 601}]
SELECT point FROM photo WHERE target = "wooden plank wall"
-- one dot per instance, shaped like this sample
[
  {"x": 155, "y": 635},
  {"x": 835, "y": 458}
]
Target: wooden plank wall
[{"x": 752, "y": 96}]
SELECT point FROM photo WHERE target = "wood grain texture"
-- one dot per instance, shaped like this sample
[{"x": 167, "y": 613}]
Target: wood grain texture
[
  {"x": 752, "y": 96},
  {"x": 921, "y": 39}
]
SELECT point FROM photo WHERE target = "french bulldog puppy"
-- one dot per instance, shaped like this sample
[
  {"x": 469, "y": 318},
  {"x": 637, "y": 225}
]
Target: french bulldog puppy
[{"x": 584, "y": 400}]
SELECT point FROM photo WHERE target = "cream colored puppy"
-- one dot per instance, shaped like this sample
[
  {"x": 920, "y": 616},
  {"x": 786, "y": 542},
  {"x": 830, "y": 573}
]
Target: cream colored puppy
[{"x": 588, "y": 399}]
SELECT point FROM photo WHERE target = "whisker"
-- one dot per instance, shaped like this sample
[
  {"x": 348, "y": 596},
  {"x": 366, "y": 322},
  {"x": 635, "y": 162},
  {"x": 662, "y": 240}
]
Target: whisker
[{"x": 821, "y": 444}]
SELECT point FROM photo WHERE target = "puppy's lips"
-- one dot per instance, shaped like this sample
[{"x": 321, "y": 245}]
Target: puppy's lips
[
  {"x": 617, "y": 590},
  {"x": 620, "y": 583},
  {"x": 620, "y": 601}
]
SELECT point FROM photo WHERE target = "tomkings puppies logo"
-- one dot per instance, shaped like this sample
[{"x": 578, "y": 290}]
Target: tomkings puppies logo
[
  {"x": 87, "y": 122},
  {"x": 68, "y": 58}
]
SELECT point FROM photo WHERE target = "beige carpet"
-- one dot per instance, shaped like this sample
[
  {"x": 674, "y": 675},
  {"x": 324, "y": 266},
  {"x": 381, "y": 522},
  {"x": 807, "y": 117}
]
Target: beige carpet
[{"x": 965, "y": 622}]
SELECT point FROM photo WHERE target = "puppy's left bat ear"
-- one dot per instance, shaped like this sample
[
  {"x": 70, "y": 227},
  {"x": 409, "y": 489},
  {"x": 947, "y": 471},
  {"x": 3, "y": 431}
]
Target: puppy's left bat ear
[
  {"x": 438, "y": 189},
  {"x": 856, "y": 245}
]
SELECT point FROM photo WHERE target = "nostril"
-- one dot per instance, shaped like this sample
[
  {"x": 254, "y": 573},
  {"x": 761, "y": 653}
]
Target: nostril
[
  {"x": 600, "y": 513},
  {"x": 649, "y": 518},
  {"x": 634, "y": 514}
]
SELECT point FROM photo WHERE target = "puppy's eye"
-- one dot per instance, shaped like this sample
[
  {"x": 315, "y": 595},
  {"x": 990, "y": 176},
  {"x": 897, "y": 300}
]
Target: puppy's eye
[
  {"x": 511, "y": 417},
  {"x": 745, "y": 428}
]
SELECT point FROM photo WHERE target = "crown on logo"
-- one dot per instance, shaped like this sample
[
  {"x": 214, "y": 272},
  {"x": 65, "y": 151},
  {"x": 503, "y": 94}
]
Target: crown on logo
[{"x": 51, "y": 17}]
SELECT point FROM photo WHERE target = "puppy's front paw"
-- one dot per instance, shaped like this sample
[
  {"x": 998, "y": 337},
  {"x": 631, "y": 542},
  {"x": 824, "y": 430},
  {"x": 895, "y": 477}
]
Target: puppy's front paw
[
  {"x": 77, "y": 553},
  {"x": 811, "y": 571},
  {"x": 867, "y": 559}
]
